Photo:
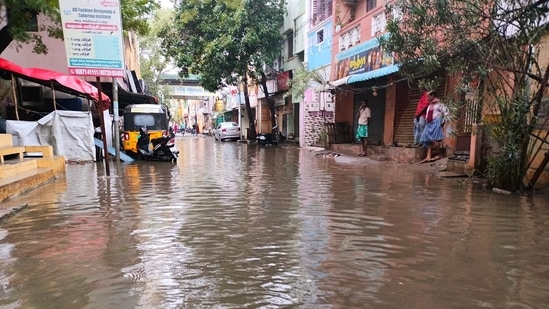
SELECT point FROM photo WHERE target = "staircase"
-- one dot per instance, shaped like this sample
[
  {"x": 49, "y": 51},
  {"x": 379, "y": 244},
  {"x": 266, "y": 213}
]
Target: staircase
[{"x": 23, "y": 168}]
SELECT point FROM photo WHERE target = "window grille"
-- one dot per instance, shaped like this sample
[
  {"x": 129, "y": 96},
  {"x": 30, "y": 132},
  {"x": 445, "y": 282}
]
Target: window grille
[
  {"x": 356, "y": 35},
  {"x": 378, "y": 24},
  {"x": 322, "y": 10},
  {"x": 320, "y": 36}
]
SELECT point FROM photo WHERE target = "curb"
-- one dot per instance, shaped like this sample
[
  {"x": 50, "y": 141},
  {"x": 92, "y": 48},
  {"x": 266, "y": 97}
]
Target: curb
[{"x": 8, "y": 212}]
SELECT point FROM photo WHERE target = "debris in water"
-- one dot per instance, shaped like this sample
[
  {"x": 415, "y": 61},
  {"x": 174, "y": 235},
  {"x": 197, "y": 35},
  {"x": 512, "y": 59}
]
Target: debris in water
[{"x": 327, "y": 155}]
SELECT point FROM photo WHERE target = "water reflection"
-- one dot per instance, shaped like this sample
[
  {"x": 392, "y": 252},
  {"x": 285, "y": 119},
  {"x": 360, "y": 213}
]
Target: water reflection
[{"x": 237, "y": 226}]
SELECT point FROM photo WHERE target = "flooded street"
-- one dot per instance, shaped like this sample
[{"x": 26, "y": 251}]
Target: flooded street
[{"x": 238, "y": 226}]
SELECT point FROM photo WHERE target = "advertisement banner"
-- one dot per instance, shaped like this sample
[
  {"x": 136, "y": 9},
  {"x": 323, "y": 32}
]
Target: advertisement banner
[
  {"x": 92, "y": 31},
  {"x": 365, "y": 57}
]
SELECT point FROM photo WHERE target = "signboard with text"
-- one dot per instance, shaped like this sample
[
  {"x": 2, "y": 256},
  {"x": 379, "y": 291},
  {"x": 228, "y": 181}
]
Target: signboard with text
[
  {"x": 92, "y": 30},
  {"x": 365, "y": 57}
]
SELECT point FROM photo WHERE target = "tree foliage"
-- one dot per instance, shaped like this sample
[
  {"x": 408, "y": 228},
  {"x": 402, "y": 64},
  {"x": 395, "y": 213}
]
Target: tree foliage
[
  {"x": 226, "y": 41},
  {"x": 304, "y": 79},
  {"x": 492, "y": 41},
  {"x": 154, "y": 60},
  {"x": 135, "y": 14}
]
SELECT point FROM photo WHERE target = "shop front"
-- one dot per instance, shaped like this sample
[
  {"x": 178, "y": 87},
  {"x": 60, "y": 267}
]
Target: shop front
[{"x": 365, "y": 72}]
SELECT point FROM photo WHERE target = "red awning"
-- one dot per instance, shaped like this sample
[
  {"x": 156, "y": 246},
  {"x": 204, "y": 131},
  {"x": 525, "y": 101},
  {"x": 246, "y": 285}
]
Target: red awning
[{"x": 56, "y": 80}]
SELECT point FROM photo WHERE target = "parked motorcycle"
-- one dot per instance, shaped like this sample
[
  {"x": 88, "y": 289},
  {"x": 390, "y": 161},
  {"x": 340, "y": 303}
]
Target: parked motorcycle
[
  {"x": 162, "y": 148},
  {"x": 273, "y": 138}
]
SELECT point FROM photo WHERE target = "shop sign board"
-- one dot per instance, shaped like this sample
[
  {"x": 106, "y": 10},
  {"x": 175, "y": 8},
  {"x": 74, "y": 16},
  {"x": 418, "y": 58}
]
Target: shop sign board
[{"x": 92, "y": 31}]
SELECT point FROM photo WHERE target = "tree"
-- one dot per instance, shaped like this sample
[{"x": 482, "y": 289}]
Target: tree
[
  {"x": 20, "y": 15},
  {"x": 226, "y": 42},
  {"x": 154, "y": 60},
  {"x": 493, "y": 41}
]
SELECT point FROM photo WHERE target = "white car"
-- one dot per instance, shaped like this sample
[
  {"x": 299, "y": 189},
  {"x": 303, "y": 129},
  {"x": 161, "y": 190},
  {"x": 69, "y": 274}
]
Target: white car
[{"x": 227, "y": 130}]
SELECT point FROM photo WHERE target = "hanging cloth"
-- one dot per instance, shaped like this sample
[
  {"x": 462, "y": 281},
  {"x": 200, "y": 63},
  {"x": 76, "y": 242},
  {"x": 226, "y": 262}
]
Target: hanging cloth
[{"x": 430, "y": 112}]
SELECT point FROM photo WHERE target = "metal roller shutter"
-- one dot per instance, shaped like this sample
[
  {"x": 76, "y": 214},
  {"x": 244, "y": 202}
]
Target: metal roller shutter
[
  {"x": 405, "y": 108},
  {"x": 407, "y": 98}
]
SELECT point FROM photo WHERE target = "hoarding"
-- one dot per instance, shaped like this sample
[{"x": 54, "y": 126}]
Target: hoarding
[{"x": 92, "y": 30}]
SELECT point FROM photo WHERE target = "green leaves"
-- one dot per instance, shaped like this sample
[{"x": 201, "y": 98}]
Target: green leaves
[
  {"x": 154, "y": 59},
  {"x": 224, "y": 40},
  {"x": 489, "y": 40}
]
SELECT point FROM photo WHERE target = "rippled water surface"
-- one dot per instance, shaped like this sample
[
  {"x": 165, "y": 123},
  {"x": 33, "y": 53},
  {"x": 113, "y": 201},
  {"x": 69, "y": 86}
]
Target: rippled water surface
[{"x": 237, "y": 226}]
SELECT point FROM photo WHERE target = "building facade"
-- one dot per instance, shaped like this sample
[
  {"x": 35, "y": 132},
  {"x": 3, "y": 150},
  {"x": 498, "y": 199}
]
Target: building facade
[{"x": 318, "y": 108}]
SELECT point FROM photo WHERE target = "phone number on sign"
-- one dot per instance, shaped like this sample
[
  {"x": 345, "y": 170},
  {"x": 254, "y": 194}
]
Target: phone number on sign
[{"x": 96, "y": 72}]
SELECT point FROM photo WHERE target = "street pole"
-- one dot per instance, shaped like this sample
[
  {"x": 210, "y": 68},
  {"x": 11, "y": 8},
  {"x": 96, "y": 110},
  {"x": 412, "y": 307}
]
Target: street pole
[
  {"x": 239, "y": 114},
  {"x": 116, "y": 118},
  {"x": 103, "y": 129}
]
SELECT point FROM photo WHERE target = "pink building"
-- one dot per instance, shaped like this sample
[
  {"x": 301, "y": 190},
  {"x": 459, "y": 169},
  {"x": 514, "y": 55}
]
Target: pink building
[{"x": 362, "y": 70}]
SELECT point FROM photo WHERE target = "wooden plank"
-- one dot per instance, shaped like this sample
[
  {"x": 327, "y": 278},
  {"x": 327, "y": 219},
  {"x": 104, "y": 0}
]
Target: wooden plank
[
  {"x": 10, "y": 150},
  {"x": 6, "y": 140},
  {"x": 47, "y": 151}
]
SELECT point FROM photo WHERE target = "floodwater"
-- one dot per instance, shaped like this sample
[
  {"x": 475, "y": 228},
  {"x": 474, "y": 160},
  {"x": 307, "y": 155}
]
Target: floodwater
[{"x": 237, "y": 226}]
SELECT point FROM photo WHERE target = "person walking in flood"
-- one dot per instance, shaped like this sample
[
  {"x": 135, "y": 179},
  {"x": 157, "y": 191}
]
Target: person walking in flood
[
  {"x": 434, "y": 121},
  {"x": 364, "y": 114}
]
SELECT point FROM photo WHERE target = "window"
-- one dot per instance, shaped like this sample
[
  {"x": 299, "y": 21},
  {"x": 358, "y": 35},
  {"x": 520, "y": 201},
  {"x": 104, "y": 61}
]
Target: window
[
  {"x": 143, "y": 120},
  {"x": 356, "y": 35},
  {"x": 397, "y": 13},
  {"x": 320, "y": 36},
  {"x": 349, "y": 38},
  {"x": 322, "y": 10},
  {"x": 290, "y": 39},
  {"x": 378, "y": 24},
  {"x": 370, "y": 5}
]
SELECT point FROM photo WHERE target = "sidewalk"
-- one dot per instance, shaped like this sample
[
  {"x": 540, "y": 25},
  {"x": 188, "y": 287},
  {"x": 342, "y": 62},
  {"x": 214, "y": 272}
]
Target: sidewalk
[{"x": 347, "y": 157}]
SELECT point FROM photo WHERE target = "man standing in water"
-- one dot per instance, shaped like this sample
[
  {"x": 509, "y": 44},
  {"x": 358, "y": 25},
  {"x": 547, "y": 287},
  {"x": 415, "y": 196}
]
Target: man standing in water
[{"x": 364, "y": 114}]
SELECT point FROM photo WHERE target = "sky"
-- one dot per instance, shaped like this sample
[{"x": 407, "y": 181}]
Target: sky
[{"x": 166, "y": 4}]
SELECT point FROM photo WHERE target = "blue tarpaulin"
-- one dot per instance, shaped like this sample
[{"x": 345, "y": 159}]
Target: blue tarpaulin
[{"x": 373, "y": 74}]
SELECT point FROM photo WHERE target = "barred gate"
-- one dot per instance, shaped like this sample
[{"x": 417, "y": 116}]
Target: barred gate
[{"x": 468, "y": 116}]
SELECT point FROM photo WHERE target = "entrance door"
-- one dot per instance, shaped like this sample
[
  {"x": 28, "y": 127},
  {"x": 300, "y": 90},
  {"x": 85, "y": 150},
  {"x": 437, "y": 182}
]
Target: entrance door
[{"x": 377, "y": 121}]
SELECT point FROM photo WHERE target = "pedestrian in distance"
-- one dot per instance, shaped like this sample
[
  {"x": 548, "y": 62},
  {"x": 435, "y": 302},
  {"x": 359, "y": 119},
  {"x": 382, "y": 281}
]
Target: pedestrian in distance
[
  {"x": 433, "y": 133},
  {"x": 364, "y": 115},
  {"x": 419, "y": 117}
]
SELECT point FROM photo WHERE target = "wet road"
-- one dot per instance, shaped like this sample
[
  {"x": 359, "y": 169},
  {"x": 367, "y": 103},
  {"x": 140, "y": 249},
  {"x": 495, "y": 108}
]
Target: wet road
[{"x": 236, "y": 226}]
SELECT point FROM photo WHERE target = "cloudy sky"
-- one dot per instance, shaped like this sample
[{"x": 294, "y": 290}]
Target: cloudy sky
[{"x": 166, "y": 3}]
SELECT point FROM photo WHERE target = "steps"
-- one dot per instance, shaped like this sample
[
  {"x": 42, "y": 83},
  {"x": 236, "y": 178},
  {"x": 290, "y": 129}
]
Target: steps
[
  {"x": 11, "y": 168},
  {"x": 23, "y": 168}
]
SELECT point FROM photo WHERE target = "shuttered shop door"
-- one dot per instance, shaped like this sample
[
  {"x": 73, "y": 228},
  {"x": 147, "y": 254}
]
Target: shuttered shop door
[
  {"x": 406, "y": 103},
  {"x": 405, "y": 108}
]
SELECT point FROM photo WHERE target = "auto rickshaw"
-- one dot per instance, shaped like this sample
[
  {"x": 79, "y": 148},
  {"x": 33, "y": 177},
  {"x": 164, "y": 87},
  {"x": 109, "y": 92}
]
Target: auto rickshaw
[{"x": 154, "y": 117}]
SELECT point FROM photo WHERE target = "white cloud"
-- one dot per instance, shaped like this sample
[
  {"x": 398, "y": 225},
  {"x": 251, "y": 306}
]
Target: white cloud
[{"x": 168, "y": 4}]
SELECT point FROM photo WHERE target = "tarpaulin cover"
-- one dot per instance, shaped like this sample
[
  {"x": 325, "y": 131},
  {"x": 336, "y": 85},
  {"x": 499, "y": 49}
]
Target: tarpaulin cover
[
  {"x": 69, "y": 132},
  {"x": 61, "y": 82}
]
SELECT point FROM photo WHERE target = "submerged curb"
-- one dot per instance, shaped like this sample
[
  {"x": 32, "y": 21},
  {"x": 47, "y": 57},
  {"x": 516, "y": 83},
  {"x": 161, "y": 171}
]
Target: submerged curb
[{"x": 5, "y": 213}]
